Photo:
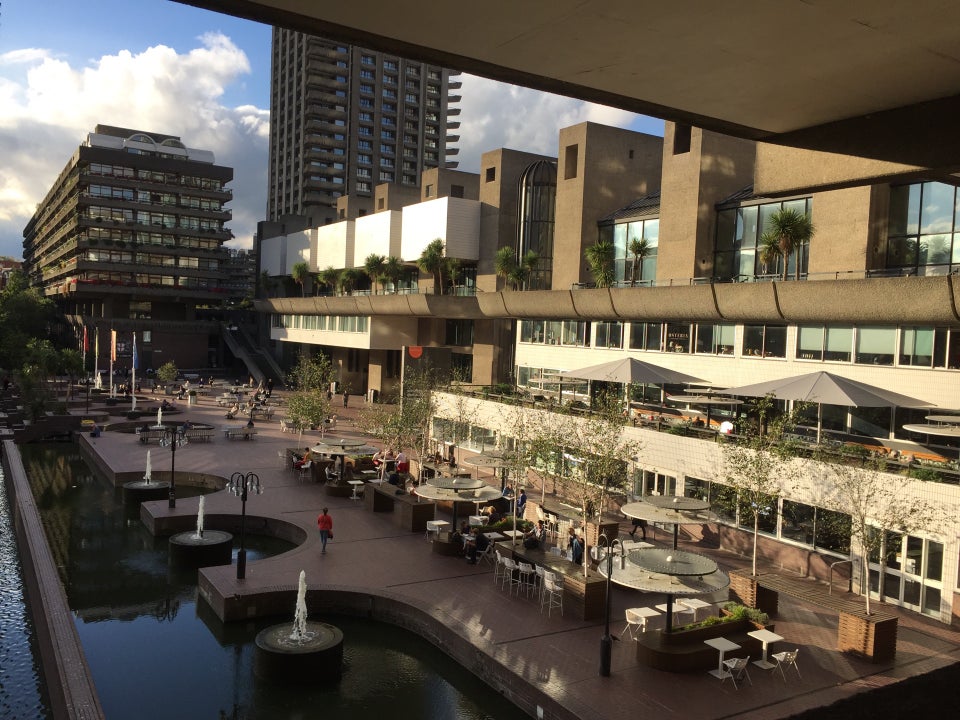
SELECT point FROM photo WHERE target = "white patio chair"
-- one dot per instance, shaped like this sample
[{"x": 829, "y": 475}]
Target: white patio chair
[
  {"x": 737, "y": 671},
  {"x": 498, "y": 568},
  {"x": 788, "y": 658},
  {"x": 304, "y": 472},
  {"x": 508, "y": 579},
  {"x": 527, "y": 579},
  {"x": 552, "y": 593},
  {"x": 635, "y": 623}
]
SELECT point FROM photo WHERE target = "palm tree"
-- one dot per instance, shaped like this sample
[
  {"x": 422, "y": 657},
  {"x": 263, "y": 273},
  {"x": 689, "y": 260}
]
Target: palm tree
[
  {"x": 600, "y": 259},
  {"x": 300, "y": 273},
  {"x": 374, "y": 266},
  {"x": 640, "y": 249},
  {"x": 789, "y": 230},
  {"x": 393, "y": 271},
  {"x": 516, "y": 273},
  {"x": 331, "y": 278},
  {"x": 348, "y": 280},
  {"x": 433, "y": 262}
]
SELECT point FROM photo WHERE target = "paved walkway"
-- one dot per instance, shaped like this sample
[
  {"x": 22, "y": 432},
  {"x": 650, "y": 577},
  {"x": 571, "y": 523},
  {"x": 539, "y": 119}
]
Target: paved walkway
[{"x": 556, "y": 655}]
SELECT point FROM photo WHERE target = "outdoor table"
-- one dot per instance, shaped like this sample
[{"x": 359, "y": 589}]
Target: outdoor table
[
  {"x": 436, "y": 526},
  {"x": 724, "y": 646},
  {"x": 645, "y": 613},
  {"x": 513, "y": 533},
  {"x": 477, "y": 520},
  {"x": 695, "y": 604},
  {"x": 678, "y": 609},
  {"x": 356, "y": 484},
  {"x": 494, "y": 536},
  {"x": 766, "y": 637}
]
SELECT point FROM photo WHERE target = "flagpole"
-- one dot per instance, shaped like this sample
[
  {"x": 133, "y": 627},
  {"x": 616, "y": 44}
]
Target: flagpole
[
  {"x": 96, "y": 353},
  {"x": 133, "y": 375},
  {"x": 113, "y": 355}
]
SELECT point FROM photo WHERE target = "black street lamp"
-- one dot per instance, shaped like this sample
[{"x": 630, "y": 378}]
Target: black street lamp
[
  {"x": 240, "y": 485},
  {"x": 606, "y": 642},
  {"x": 173, "y": 437}
]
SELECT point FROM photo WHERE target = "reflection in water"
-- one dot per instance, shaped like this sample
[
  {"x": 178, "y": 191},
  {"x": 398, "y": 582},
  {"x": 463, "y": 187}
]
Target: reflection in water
[
  {"x": 21, "y": 692},
  {"x": 155, "y": 652}
]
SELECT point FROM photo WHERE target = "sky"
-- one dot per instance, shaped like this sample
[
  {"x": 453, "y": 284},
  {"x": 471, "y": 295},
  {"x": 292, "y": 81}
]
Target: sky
[{"x": 158, "y": 65}]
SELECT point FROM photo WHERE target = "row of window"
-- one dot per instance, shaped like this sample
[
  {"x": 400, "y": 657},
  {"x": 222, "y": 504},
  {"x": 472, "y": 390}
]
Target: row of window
[
  {"x": 108, "y": 235},
  {"x": 156, "y": 198},
  {"x": 123, "y": 171},
  {"x": 331, "y": 323},
  {"x": 866, "y": 345},
  {"x": 119, "y": 256}
]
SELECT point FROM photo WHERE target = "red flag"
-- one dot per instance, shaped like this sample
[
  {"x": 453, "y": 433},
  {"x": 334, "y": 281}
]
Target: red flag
[{"x": 86, "y": 340}]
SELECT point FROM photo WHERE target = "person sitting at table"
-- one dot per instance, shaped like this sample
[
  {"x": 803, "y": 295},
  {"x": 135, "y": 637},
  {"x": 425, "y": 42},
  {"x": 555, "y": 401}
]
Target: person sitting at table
[
  {"x": 575, "y": 544},
  {"x": 304, "y": 459},
  {"x": 477, "y": 544},
  {"x": 403, "y": 465},
  {"x": 521, "y": 503},
  {"x": 493, "y": 515},
  {"x": 535, "y": 536},
  {"x": 377, "y": 458}
]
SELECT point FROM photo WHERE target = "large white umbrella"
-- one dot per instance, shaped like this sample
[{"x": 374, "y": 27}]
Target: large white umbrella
[
  {"x": 826, "y": 388},
  {"x": 629, "y": 370}
]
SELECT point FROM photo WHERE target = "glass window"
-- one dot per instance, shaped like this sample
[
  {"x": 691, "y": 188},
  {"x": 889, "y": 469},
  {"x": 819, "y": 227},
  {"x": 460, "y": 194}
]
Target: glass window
[
  {"x": 916, "y": 346},
  {"x": 715, "y": 339},
  {"x": 645, "y": 336},
  {"x": 678, "y": 337},
  {"x": 609, "y": 334},
  {"x": 875, "y": 345},
  {"x": 765, "y": 341}
]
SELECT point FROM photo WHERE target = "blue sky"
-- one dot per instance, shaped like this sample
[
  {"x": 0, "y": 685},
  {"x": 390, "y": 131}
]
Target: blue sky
[{"x": 66, "y": 65}]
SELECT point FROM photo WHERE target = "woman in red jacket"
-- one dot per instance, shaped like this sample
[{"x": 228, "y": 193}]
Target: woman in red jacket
[{"x": 325, "y": 524}]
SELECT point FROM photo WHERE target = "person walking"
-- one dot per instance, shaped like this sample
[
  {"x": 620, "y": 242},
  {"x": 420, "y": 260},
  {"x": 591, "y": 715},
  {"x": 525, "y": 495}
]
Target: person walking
[
  {"x": 346, "y": 398},
  {"x": 325, "y": 525}
]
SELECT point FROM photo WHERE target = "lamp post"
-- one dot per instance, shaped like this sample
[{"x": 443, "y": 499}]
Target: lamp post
[
  {"x": 173, "y": 438},
  {"x": 240, "y": 485},
  {"x": 606, "y": 642}
]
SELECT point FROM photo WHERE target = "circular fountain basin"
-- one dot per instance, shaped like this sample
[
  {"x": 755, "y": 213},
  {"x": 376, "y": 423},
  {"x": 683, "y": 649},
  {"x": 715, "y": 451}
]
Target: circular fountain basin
[
  {"x": 214, "y": 548},
  {"x": 139, "y": 491},
  {"x": 317, "y": 657}
]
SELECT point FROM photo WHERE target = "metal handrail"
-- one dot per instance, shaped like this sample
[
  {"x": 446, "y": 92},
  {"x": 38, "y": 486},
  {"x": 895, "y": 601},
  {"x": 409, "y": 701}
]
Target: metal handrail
[{"x": 849, "y": 580}]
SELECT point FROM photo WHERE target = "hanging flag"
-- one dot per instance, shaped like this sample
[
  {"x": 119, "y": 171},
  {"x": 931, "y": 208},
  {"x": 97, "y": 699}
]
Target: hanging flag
[
  {"x": 96, "y": 348},
  {"x": 113, "y": 346},
  {"x": 136, "y": 358},
  {"x": 86, "y": 340}
]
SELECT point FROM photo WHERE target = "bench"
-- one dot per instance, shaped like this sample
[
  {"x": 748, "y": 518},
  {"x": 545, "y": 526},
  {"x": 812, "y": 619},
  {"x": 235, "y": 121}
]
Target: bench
[
  {"x": 240, "y": 434},
  {"x": 146, "y": 436},
  {"x": 873, "y": 637},
  {"x": 199, "y": 434}
]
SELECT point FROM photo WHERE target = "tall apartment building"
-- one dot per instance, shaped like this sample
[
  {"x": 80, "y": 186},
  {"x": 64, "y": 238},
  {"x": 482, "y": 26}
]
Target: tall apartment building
[
  {"x": 344, "y": 119},
  {"x": 129, "y": 238}
]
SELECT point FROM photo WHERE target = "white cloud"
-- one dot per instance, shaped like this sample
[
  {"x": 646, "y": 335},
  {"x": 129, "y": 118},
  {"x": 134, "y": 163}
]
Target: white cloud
[
  {"x": 495, "y": 115},
  {"x": 23, "y": 55},
  {"x": 44, "y": 117}
]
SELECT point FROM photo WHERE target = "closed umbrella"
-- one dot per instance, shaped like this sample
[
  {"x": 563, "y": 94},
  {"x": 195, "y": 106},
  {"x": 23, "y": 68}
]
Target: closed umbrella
[{"x": 826, "y": 388}]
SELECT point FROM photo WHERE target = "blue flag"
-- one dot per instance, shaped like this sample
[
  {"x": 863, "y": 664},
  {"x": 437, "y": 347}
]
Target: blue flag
[{"x": 136, "y": 358}]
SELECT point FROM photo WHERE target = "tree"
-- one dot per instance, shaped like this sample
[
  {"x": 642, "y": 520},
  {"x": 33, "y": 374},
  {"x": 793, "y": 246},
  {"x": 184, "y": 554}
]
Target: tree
[
  {"x": 168, "y": 372},
  {"x": 601, "y": 455},
  {"x": 786, "y": 232},
  {"x": 600, "y": 260},
  {"x": 641, "y": 250},
  {"x": 308, "y": 406},
  {"x": 393, "y": 271},
  {"x": 70, "y": 363},
  {"x": 300, "y": 274},
  {"x": 516, "y": 273},
  {"x": 374, "y": 266},
  {"x": 348, "y": 280},
  {"x": 877, "y": 507},
  {"x": 759, "y": 468},
  {"x": 330, "y": 277},
  {"x": 433, "y": 262}
]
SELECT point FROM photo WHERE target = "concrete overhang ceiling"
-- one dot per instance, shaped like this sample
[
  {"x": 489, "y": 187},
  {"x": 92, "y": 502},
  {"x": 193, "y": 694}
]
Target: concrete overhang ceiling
[{"x": 874, "y": 78}]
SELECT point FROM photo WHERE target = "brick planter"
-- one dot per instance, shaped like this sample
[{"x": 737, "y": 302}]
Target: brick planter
[
  {"x": 867, "y": 637},
  {"x": 745, "y": 590}
]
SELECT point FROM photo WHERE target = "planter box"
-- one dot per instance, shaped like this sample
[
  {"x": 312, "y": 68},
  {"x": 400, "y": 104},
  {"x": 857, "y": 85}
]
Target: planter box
[
  {"x": 875, "y": 640},
  {"x": 745, "y": 590},
  {"x": 685, "y": 651}
]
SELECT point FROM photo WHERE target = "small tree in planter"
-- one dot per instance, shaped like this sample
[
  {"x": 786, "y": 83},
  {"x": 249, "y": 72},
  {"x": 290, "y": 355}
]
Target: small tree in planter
[
  {"x": 759, "y": 468},
  {"x": 167, "y": 373},
  {"x": 877, "y": 507}
]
